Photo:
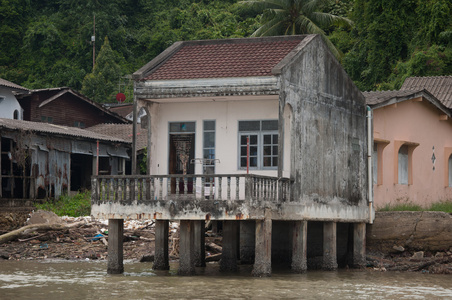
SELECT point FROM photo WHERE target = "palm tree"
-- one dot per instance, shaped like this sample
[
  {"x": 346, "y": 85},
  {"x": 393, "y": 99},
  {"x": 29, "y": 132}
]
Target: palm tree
[{"x": 290, "y": 17}]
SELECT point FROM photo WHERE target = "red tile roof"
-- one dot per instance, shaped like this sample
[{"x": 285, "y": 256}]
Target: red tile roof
[
  {"x": 225, "y": 58},
  {"x": 438, "y": 86}
]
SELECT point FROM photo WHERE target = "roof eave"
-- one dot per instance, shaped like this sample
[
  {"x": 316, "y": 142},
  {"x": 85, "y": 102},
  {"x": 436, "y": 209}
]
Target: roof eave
[
  {"x": 258, "y": 85},
  {"x": 421, "y": 93}
]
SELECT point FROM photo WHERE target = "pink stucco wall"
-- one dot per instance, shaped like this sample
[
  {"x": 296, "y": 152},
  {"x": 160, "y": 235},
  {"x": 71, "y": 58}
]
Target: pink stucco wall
[{"x": 417, "y": 122}]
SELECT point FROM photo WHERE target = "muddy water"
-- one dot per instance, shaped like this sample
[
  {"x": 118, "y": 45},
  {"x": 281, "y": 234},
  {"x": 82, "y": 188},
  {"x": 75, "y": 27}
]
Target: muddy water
[{"x": 88, "y": 280}]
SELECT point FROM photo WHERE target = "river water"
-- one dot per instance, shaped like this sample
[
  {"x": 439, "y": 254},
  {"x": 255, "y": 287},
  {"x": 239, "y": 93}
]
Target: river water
[{"x": 88, "y": 280}]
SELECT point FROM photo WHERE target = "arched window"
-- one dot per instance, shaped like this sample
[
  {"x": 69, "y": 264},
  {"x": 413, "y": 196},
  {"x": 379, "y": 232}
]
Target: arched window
[
  {"x": 450, "y": 170},
  {"x": 16, "y": 115},
  {"x": 403, "y": 164}
]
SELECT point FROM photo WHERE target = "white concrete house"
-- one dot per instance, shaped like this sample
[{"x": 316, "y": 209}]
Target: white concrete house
[
  {"x": 9, "y": 106},
  {"x": 254, "y": 132}
]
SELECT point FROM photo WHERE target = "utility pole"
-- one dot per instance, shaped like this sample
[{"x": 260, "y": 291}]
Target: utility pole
[{"x": 93, "y": 40}]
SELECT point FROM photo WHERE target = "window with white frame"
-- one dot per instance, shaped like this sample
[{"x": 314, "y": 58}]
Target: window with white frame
[
  {"x": 209, "y": 147},
  {"x": 262, "y": 136},
  {"x": 403, "y": 164}
]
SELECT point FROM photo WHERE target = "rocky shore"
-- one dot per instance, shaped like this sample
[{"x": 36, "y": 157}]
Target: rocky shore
[{"x": 397, "y": 241}]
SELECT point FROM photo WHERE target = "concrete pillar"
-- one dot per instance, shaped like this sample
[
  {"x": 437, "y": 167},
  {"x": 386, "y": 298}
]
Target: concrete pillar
[
  {"x": 115, "y": 264},
  {"x": 247, "y": 240},
  {"x": 200, "y": 243},
  {"x": 263, "y": 257},
  {"x": 161, "y": 261},
  {"x": 186, "y": 248},
  {"x": 359, "y": 245},
  {"x": 229, "y": 255},
  {"x": 329, "y": 246},
  {"x": 299, "y": 246}
]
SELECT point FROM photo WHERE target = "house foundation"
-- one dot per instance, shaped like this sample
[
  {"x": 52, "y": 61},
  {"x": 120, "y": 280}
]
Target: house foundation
[
  {"x": 359, "y": 245},
  {"x": 299, "y": 246},
  {"x": 115, "y": 264},
  {"x": 161, "y": 261},
  {"x": 329, "y": 246},
  {"x": 262, "y": 262},
  {"x": 186, "y": 248}
]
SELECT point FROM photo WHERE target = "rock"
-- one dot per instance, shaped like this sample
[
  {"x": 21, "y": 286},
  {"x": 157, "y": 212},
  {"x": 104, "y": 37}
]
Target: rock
[
  {"x": 439, "y": 254},
  {"x": 418, "y": 255},
  {"x": 398, "y": 248},
  {"x": 44, "y": 217},
  {"x": 147, "y": 258},
  {"x": 4, "y": 255}
]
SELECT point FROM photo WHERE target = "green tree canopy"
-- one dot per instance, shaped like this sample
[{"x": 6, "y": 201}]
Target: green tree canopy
[
  {"x": 102, "y": 84},
  {"x": 290, "y": 17}
]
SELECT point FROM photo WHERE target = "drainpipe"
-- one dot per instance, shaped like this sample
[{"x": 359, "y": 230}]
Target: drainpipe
[{"x": 369, "y": 161}]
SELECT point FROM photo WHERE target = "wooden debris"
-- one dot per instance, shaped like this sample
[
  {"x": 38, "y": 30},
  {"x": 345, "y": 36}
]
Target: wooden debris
[{"x": 10, "y": 236}]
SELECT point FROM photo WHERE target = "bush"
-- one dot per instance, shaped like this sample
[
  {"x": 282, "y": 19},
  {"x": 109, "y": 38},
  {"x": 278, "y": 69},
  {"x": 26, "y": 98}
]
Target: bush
[{"x": 72, "y": 206}]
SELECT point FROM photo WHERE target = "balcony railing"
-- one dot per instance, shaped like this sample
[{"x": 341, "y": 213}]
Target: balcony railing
[{"x": 142, "y": 188}]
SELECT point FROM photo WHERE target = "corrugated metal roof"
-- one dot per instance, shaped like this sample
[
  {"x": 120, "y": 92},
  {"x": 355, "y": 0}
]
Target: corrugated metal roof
[
  {"x": 122, "y": 131},
  {"x": 56, "y": 129},
  {"x": 246, "y": 57},
  {"x": 6, "y": 83},
  {"x": 438, "y": 86}
]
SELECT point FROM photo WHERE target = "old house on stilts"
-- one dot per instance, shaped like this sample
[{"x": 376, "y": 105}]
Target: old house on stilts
[{"x": 267, "y": 135}]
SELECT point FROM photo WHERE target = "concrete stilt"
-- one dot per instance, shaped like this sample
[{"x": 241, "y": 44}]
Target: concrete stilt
[
  {"x": 263, "y": 257},
  {"x": 329, "y": 246},
  {"x": 247, "y": 240},
  {"x": 299, "y": 246},
  {"x": 200, "y": 243},
  {"x": 359, "y": 245},
  {"x": 186, "y": 248},
  {"x": 115, "y": 263},
  {"x": 161, "y": 245},
  {"x": 229, "y": 255}
]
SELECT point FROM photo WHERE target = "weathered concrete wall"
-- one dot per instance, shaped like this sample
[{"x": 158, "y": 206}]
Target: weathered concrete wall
[
  {"x": 328, "y": 136},
  {"x": 427, "y": 230},
  {"x": 9, "y": 105}
]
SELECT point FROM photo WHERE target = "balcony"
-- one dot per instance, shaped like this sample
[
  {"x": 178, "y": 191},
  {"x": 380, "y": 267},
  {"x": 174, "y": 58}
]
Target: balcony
[{"x": 233, "y": 196}]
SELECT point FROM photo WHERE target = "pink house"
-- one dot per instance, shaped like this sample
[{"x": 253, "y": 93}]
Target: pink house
[{"x": 412, "y": 133}]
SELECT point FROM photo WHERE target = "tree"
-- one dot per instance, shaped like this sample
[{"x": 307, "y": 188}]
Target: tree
[
  {"x": 290, "y": 17},
  {"x": 101, "y": 84}
]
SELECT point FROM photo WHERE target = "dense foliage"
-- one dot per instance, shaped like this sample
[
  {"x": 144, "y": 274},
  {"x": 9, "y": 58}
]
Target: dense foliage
[
  {"x": 48, "y": 43},
  {"x": 72, "y": 206}
]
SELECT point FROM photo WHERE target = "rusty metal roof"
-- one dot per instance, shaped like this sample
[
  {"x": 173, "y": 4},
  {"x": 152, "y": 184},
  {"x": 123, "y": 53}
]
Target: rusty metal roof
[
  {"x": 56, "y": 130},
  {"x": 438, "y": 86},
  {"x": 16, "y": 87},
  {"x": 122, "y": 131},
  {"x": 245, "y": 57}
]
